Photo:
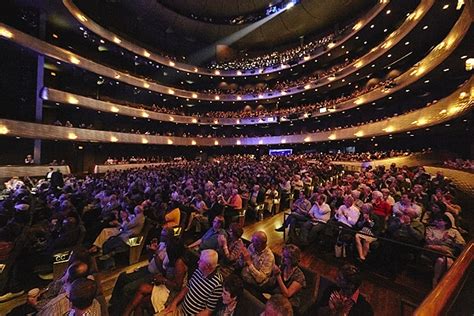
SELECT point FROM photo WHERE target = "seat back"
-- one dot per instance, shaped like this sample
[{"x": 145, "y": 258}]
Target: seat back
[
  {"x": 137, "y": 243},
  {"x": 310, "y": 292},
  {"x": 250, "y": 305}
]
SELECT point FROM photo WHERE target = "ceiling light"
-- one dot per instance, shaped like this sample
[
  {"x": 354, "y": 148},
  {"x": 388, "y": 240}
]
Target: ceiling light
[
  {"x": 238, "y": 142},
  {"x": 407, "y": 43},
  {"x": 445, "y": 6},
  {"x": 74, "y": 60},
  {"x": 469, "y": 64},
  {"x": 388, "y": 12},
  {"x": 425, "y": 27}
]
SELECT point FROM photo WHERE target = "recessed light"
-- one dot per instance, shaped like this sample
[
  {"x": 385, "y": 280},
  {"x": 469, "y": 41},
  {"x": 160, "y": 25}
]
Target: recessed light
[
  {"x": 385, "y": 30},
  {"x": 389, "y": 55},
  {"x": 445, "y": 6},
  {"x": 427, "y": 81},
  {"x": 425, "y": 27},
  {"x": 388, "y": 11},
  {"x": 407, "y": 43},
  {"x": 446, "y": 69},
  {"x": 464, "y": 57},
  {"x": 372, "y": 26}
]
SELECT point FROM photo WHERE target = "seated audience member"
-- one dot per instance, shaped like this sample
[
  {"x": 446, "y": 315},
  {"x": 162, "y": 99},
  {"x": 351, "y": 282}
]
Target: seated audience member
[
  {"x": 290, "y": 280},
  {"x": 233, "y": 246},
  {"x": 406, "y": 202},
  {"x": 257, "y": 261},
  {"x": 278, "y": 305},
  {"x": 119, "y": 243},
  {"x": 369, "y": 225},
  {"x": 210, "y": 239},
  {"x": 203, "y": 291},
  {"x": 231, "y": 304},
  {"x": 82, "y": 297},
  {"x": 165, "y": 284},
  {"x": 198, "y": 216},
  {"x": 299, "y": 212},
  {"x": 108, "y": 232},
  {"x": 443, "y": 238},
  {"x": 344, "y": 298},
  {"x": 232, "y": 206},
  {"x": 256, "y": 199},
  {"x": 28, "y": 308},
  {"x": 347, "y": 214},
  {"x": 381, "y": 208},
  {"x": 59, "y": 305},
  {"x": 128, "y": 283},
  {"x": 271, "y": 198},
  {"x": 435, "y": 211},
  {"x": 387, "y": 197},
  {"x": 319, "y": 215}
]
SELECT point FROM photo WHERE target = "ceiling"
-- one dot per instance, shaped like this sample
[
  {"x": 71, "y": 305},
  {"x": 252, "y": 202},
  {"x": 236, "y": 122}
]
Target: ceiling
[{"x": 158, "y": 25}]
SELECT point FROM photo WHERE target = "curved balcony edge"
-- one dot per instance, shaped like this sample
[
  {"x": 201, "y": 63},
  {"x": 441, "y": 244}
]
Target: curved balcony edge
[
  {"x": 66, "y": 56},
  {"x": 456, "y": 104},
  {"x": 89, "y": 23}
]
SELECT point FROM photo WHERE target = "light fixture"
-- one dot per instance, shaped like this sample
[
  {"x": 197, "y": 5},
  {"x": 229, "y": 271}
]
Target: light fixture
[
  {"x": 117, "y": 40},
  {"x": 72, "y": 100},
  {"x": 170, "y": 142},
  {"x": 74, "y": 60},
  {"x": 170, "y": 91},
  {"x": 145, "y": 114},
  {"x": 114, "y": 109},
  {"x": 238, "y": 142},
  {"x": 217, "y": 97},
  {"x": 4, "y": 130},
  {"x": 194, "y": 120},
  {"x": 113, "y": 139},
  {"x": 146, "y": 85},
  {"x": 194, "y": 95},
  {"x": 144, "y": 141},
  {"x": 332, "y": 137},
  {"x": 445, "y": 6},
  {"x": 146, "y": 54},
  {"x": 216, "y": 142},
  {"x": 193, "y": 142},
  {"x": 171, "y": 63},
  {"x": 469, "y": 64}
]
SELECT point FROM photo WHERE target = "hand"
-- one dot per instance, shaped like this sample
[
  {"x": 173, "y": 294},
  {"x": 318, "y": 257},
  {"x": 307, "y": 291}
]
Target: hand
[
  {"x": 246, "y": 256},
  {"x": 221, "y": 240},
  {"x": 276, "y": 270},
  {"x": 405, "y": 219},
  {"x": 170, "y": 309},
  {"x": 339, "y": 304}
]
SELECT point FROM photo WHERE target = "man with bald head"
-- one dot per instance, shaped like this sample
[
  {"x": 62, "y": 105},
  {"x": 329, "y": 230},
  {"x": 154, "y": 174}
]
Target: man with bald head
[
  {"x": 257, "y": 261},
  {"x": 203, "y": 291}
]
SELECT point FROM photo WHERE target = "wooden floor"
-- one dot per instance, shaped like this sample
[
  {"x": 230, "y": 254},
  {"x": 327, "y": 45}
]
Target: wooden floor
[{"x": 388, "y": 297}]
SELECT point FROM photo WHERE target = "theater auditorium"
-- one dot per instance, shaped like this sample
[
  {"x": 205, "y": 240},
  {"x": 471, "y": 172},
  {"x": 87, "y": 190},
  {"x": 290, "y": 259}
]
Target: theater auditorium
[{"x": 236, "y": 157}]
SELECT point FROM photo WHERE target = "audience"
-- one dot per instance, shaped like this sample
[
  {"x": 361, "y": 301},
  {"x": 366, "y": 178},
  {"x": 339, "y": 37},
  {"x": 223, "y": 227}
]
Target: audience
[{"x": 344, "y": 208}]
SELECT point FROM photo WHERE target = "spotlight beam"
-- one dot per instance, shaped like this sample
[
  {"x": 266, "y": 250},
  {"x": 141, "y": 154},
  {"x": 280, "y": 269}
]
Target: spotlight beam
[{"x": 208, "y": 52}]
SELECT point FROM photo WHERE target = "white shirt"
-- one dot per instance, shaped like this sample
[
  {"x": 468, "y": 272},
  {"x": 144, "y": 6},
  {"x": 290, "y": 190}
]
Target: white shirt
[
  {"x": 399, "y": 209},
  {"x": 348, "y": 215},
  {"x": 321, "y": 213}
]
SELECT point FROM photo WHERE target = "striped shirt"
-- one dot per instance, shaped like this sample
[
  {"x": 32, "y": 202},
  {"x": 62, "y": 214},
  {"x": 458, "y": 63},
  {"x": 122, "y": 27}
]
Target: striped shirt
[{"x": 203, "y": 293}]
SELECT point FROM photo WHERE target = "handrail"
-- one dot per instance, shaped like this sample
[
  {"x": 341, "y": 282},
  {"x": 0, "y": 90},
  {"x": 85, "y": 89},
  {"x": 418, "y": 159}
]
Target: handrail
[
  {"x": 69, "y": 57},
  {"x": 136, "y": 49},
  {"x": 437, "y": 55},
  {"x": 455, "y": 105},
  {"x": 443, "y": 295}
]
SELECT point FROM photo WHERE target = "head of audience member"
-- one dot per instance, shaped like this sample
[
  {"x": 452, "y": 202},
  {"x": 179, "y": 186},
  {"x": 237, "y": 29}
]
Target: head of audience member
[
  {"x": 278, "y": 305},
  {"x": 76, "y": 271},
  {"x": 291, "y": 255},
  {"x": 406, "y": 199},
  {"x": 259, "y": 241},
  {"x": 124, "y": 215},
  {"x": 302, "y": 195},
  {"x": 355, "y": 194},
  {"x": 208, "y": 261},
  {"x": 82, "y": 294},
  {"x": 235, "y": 231},
  {"x": 233, "y": 288},
  {"x": 348, "y": 279},
  {"x": 377, "y": 196},
  {"x": 321, "y": 199},
  {"x": 348, "y": 201},
  {"x": 218, "y": 222},
  {"x": 166, "y": 234},
  {"x": 366, "y": 209},
  {"x": 443, "y": 222}
]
